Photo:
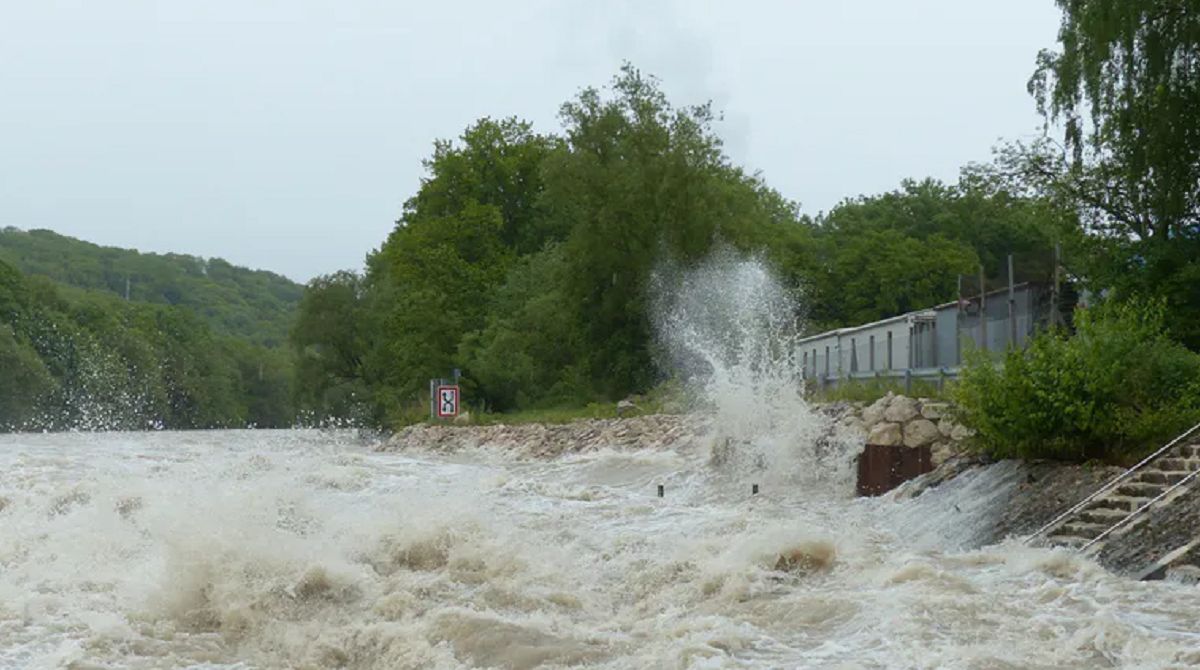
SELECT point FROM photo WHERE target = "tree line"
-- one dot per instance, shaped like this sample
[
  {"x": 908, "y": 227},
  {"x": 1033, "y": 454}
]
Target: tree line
[
  {"x": 76, "y": 358},
  {"x": 524, "y": 258}
]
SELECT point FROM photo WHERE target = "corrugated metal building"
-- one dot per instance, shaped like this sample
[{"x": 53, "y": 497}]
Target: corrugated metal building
[{"x": 931, "y": 342}]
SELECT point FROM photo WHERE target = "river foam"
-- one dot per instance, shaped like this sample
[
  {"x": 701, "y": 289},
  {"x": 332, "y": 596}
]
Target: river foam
[{"x": 308, "y": 549}]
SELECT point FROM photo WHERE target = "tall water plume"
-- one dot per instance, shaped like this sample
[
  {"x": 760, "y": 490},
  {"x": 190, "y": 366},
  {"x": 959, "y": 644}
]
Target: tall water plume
[{"x": 729, "y": 328}]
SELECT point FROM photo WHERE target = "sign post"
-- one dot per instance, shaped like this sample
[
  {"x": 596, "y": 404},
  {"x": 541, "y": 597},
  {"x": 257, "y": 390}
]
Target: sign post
[{"x": 446, "y": 401}]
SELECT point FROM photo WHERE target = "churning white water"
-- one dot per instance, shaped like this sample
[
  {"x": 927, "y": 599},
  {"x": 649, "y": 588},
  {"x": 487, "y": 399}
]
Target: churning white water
[{"x": 310, "y": 549}]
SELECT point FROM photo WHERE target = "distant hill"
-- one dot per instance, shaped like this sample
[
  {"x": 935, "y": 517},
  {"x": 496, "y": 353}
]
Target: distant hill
[{"x": 254, "y": 305}]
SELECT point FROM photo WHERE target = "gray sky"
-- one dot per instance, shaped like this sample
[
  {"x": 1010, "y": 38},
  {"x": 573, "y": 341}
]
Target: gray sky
[{"x": 286, "y": 135}]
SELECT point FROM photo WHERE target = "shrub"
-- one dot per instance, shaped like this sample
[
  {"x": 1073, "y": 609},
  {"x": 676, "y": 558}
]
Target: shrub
[{"x": 1113, "y": 391}]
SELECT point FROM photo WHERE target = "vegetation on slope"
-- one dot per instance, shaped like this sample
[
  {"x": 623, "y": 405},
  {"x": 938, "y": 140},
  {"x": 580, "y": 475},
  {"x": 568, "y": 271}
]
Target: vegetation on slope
[
  {"x": 85, "y": 359},
  {"x": 253, "y": 305}
]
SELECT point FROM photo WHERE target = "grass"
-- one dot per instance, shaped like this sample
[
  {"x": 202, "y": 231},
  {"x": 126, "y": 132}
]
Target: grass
[{"x": 870, "y": 390}]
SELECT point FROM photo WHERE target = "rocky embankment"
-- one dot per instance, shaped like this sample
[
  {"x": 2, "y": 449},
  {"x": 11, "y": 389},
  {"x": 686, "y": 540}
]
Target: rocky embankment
[
  {"x": 901, "y": 421},
  {"x": 535, "y": 440}
]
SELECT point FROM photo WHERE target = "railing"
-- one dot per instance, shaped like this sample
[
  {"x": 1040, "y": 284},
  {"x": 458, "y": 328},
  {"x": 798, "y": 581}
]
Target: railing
[
  {"x": 940, "y": 375},
  {"x": 1113, "y": 483},
  {"x": 1123, "y": 522}
]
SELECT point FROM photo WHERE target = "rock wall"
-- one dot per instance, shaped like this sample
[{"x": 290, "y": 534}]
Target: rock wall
[{"x": 897, "y": 420}]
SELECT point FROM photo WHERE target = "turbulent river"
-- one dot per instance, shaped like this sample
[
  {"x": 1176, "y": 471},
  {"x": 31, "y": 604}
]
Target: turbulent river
[
  {"x": 260, "y": 549},
  {"x": 313, "y": 549}
]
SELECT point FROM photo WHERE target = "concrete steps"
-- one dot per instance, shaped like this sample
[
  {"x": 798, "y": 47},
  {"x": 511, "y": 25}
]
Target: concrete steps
[{"x": 1122, "y": 502}]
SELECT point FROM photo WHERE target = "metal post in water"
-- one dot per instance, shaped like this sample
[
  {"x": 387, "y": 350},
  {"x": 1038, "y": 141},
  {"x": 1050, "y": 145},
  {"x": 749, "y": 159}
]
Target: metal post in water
[
  {"x": 754, "y": 490},
  {"x": 660, "y": 490}
]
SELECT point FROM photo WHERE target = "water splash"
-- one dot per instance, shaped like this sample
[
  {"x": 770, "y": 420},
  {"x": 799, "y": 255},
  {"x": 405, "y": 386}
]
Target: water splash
[{"x": 729, "y": 328}]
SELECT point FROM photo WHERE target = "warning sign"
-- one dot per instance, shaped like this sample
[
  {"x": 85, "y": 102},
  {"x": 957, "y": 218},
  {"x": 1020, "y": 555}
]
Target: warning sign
[{"x": 447, "y": 402}]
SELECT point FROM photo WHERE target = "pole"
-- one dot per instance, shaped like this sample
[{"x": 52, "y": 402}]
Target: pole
[
  {"x": 958, "y": 325},
  {"x": 1055, "y": 316},
  {"x": 983, "y": 342},
  {"x": 1012, "y": 305}
]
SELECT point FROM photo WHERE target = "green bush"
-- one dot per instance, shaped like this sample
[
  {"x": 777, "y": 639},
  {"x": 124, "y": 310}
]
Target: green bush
[{"x": 1115, "y": 390}]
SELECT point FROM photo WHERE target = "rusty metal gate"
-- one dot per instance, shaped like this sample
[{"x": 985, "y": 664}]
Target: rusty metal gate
[{"x": 881, "y": 469}]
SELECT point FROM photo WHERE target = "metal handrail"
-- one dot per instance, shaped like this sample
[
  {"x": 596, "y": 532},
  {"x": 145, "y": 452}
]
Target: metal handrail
[
  {"x": 1113, "y": 484},
  {"x": 1116, "y": 526}
]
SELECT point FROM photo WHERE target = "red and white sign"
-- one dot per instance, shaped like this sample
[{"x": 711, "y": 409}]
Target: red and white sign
[{"x": 447, "y": 402}]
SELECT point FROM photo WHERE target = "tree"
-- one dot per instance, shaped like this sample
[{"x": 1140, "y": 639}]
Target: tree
[
  {"x": 639, "y": 181},
  {"x": 1125, "y": 85},
  {"x": 883, "y": 255},
  {"x": 330, "y": 343}
]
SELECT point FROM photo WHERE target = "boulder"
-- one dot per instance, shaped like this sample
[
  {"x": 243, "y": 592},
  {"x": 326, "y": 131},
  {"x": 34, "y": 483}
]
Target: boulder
[
  {"x": 940, "y": 453},
  {"x": 934, "y": 410},
  {"x": 853, "y": 423},
  {"x": 960, "y": 433},
  {"x": 626, "y": 407},
  {"x": 945, "y": 427},
  {"x": 920, "y": 433},
  {"x": 886, "y": 435},
  {"x": 901, "y": 409},
  {"x": 873, "y": 413}
]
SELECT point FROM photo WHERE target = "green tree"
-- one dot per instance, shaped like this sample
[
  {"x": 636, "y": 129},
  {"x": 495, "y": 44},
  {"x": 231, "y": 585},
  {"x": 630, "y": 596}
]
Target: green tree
[
  {"x": 873, "y": 257},
  {"x": 640, "y": 180},
  {"x": 330, "y": 345},
  {"x": 1125, "y": 86}
]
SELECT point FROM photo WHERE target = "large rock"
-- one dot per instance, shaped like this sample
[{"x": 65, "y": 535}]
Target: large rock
[
  {"x": 901, "y": 409},
  {"x": 625, "y": 407},
  {"x": 940, "y": 453},
  {"x": 960, "y": 433},
  {"x": 873, "y": 414},
  {"x": 886, "y": 435},
  {"x": 853, "y": 423},
  {"x": 934, "y": 410},
  {"x": 920, "y": 433},
  {"x": 946, "y": 426}
]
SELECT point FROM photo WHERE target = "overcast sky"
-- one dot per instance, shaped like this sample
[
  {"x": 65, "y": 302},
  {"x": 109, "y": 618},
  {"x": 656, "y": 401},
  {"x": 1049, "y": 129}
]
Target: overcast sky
[{"x": 286, "y": 135}]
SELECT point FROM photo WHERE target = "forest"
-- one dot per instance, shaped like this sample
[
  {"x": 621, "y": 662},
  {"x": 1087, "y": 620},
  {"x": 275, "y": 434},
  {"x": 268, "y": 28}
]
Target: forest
[{"x": 199, "y": 344}]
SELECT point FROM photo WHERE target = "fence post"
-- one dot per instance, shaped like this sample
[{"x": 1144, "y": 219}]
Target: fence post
[{"x": 908, "y": 381}]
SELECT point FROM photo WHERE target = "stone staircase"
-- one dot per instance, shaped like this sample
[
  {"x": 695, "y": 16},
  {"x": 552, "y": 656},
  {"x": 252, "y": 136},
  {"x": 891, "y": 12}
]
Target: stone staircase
[{"x": 1123, "y": 502}]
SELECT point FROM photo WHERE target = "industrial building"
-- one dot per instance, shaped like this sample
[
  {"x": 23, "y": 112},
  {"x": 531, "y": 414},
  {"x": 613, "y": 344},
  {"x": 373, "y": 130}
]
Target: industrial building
[{"x": 930, "y": 343}]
